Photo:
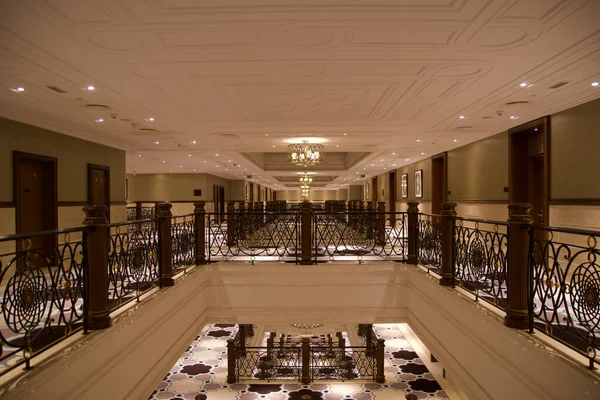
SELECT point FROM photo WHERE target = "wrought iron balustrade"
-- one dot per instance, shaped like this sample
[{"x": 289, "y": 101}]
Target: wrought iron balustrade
[
  {"x": 480, "y": 258},
  {"x": 253, "y": 233},
  {"x": 564, "y": 295},
  {"x": 132, "y": 261},
  {"x": 342, "y": 363},
  {"x": 367, "y": 233},
  {"x": 429, "y": 252},
  {"x": 183, "y": 239},
  {"x": 43, "y": 287}
]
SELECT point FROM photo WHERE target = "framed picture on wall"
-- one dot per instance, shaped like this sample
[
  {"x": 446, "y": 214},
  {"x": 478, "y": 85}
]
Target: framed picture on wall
[
  {"x": 419, "y": 183},
  {"x": 404, "y": 185}
]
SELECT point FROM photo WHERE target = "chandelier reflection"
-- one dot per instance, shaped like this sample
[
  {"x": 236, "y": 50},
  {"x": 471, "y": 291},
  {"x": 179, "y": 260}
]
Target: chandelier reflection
[
  {"x": 305, "y": 154},
  {"x": 306, "y": 180}
]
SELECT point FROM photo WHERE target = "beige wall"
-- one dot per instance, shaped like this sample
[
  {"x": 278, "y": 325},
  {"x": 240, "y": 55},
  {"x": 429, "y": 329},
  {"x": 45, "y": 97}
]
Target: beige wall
[
  {"x": 342, "y": 194},
  {"x": 314, "y": 195},
  {"x": 479, "y": 171},
  {"x": 355, "y": 192},
  {"x": 425, "y": 165},
  {"x": 238, "y": 190},
  {"x": 174, "y": 187},
  {"x": 72, "y": 154},
  {"x": 574, "y": 158}
]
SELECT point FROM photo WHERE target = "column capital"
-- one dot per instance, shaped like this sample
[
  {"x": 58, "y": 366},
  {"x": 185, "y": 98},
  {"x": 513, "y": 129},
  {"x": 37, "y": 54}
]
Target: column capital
[
  {"x": 95, "y": 215},
  {"x": 164, "y": 209},
  {"x": 199, "y": 206},
  {"x": 413, "y": 206},
  {"x": 449, "y": 208},
  {"x": 520, "y": 213}
]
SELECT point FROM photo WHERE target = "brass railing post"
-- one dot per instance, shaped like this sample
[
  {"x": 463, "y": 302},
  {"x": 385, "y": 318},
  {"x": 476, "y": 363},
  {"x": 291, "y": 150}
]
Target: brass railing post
[
  {"x": 381, "y": 223},
  {"x": 305, "y": 361},
  {"x": 413, "y": 231},
  {"x": 306, "y": 233},
  {"x": 163, "y": 215},
  {"x": 97, "y": 260},
  {"x": 200, "y": 237},
  {"x": 519, "y": 224},
  {"x": 380, "y": 375},
  {"x": 231, "y": 359},
  {"x": 447, "y": 222}
]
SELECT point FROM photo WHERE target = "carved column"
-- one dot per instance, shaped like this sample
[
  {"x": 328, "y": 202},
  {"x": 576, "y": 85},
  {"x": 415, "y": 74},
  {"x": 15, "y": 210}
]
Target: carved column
[
  {"x": 231, "y": 357},
  {"x": 200, "y": 237},
  {"x": 519, "y": 224},
  {"x": 447, "y": 233},
  {"x": 165, "y": 243},
  {"x": 381, "y": 223},
  {"x": 413, "y": 231},
  {"x": 230, "y": 223},
  {"x": 96, "y": 275},
  {"x": 306, "y": 232},
  {"x": 305, "y": 361},
  {"x": 380, "y": 376}
]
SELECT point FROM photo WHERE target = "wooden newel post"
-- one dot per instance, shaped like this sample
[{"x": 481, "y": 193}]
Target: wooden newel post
[
  {"x": 380, "y": 375},
  {"x": 381, "y": 223},
  {"x": 413, "y": 231},
  {"x": 231, "y": 357},
  {"x": 447, "y": 222},
  {"x": 200, "y": 237},
  {"x": 138, "y": 210},
  {"x": 230, "y": 223},
  {"x": 163, "y": 215},
  {"x": 97, "y": 267},
  {"x": 306, "y": 228},
  {"x": 519, "y": 224},
  {"x": 305, "y": 361}
]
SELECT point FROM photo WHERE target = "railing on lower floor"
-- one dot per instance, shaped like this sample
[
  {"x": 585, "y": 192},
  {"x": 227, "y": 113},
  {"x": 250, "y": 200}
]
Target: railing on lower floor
[
  {"x": 44, "y": 285},
  {"x": 564, "y": 295},
  {"x": 183, "y": 239},
  {"x": 480, "y": 256},
  {"x": 306, "y": 362}
]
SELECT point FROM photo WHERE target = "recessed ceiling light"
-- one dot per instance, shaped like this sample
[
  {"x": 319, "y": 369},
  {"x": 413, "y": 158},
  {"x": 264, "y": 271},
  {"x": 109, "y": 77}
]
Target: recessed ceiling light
[
  {"x": 523, "y": 84},
  {"x": 408, "y": 159},
  {"x": 455, "y": 140},
  {"x": 99, "y": 120},
  {"x": 345, "y": 134},
  {"x": 229, "y": 161},
  {"x": 273, "y": 146},
  {"x": 163, "y": 161},
  {"x": 513, "y": 117},
  {"x": 181, "y": 166},
  {"x": 337, "y": 145},
  {"x": 217, "y": 155},
  {"x": 422, "y": 154},
  {"x": 266, "y": 134},
  {"x": 194, "y": 170},
  {"x": 381, "y": 159},
  {"x": 170, "y": 170},
  {"x": 418, "y": 140},
  {"x": 217, "y": 166},
  {"x": 19, "y": 89},
  {"x": 139, "y": 155},
  {"x": 90, "y": 88},
  {"x": 462, "y": 117},
  {"x": 393, "y": 154},
  {"x": 151, "y": 119},
  {"x": 393, "y": 165},
  {"x": 536, "y": 129},
  {"x": 225, "y": 169},
  {"x": 193, "y": 142},
  {"x": 204, "y": 160},
  {"x": 594, "y": 84}
]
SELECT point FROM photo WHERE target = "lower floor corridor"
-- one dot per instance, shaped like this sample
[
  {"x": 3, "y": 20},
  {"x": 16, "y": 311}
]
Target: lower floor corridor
[{"x": 201, "y": 373}]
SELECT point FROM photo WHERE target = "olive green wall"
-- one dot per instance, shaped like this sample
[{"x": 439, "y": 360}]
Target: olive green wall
[
  {"x": 479, "y": 170},
  {"x": 574, "y": 159},
  {"x": 72, "y": 154},
  {"x": 174, "y": 187},
  {"x": 425, "y": 165}
]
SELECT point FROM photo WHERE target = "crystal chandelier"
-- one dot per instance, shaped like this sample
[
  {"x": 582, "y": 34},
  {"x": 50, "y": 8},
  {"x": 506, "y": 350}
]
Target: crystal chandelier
[
  {"x": 307, "y": 326},
  {"x": 305, "y": 154},
  {"x": 305, "y": 179}
]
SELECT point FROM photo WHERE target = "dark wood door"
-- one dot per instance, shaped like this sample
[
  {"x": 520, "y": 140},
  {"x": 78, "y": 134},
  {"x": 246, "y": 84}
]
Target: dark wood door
[
  {"x": 374, "y": 194},
  {"x": 274, "y": 196},
  {"x": 392, "y": 195},
  {"x": 35, "y": 194},
  {"x": 252, "y": 193},
  {"x": 439, "y": 185},
  {"x": 99, "y": 186}
]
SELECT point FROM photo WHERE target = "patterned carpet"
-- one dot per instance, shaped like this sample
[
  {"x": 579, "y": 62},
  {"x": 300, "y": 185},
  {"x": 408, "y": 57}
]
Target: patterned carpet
[{"x": 201, "y": 373}]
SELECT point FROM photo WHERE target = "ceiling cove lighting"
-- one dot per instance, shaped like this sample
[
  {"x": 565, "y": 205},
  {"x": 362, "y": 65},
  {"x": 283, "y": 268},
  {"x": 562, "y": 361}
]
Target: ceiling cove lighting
[{"x": 305, "y": 154}]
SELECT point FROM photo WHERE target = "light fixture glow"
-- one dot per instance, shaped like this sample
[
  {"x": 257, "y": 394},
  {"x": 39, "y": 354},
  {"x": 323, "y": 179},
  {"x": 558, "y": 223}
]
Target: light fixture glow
[
  {"x": 163, "y": 161},
  {"x": 462, "y": 117},
  {"x": 156, "y": 142},
  {"x": 193, "y": 142},
  {"x": 523, "y": 84},
  {"x": 305, "y": 154},
  {"x": 90, "y": 88},
  {"x": 139, "y": 155},
  {"x": 99, "y": 120},
  {"x": 595, "y": 84},
  {"x": 151, "y": 119},
  {"x": 455, "y": 140}
]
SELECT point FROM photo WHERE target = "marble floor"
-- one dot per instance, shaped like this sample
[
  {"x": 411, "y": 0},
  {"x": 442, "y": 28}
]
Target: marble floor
[{"x": 201, "y": 373}]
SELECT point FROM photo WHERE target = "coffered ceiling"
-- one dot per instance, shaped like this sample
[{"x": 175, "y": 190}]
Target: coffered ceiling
[{"x": 177, "y": 82}]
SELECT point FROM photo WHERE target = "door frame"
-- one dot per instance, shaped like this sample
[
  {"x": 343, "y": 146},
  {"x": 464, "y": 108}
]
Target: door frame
[
  {"x": 106, "y": 169},
  {"x": 515, "y": 175},
  {"x": 444, "y": 183},
  {"x": 51, "y": 162}
]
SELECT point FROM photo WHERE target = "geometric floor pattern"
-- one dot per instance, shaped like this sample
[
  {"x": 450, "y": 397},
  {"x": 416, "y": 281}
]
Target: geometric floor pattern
[{"x": 201, "y": 374}]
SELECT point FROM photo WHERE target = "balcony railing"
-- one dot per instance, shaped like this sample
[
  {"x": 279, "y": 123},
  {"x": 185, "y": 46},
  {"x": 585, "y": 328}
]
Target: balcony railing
[{"x": 544, "y": 279}]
